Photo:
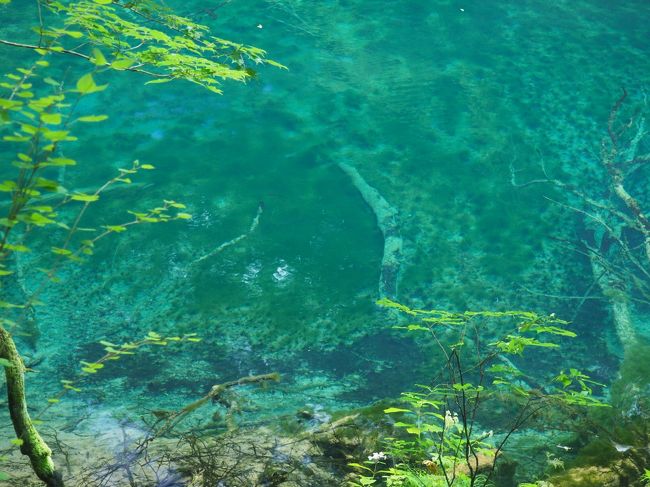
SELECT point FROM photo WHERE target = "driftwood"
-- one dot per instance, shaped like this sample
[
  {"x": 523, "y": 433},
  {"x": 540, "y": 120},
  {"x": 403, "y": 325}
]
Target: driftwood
[
  {"x": 171, "y": 418},
  {"x": 620, "y": 264},
  {"x": 388, "y": 222},
  {"x": 235, "y": 240}
]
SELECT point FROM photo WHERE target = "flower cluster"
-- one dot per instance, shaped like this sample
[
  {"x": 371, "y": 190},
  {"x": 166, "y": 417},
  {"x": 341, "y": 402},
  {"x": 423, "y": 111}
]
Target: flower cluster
[
  {"x": 450, "y": 419},
  {"x": 377, "y": 457}
]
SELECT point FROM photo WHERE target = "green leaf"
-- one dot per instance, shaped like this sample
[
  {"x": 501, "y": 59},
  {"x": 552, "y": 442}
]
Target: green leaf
[
  {"x": 8, "y": 186},
  {"x": 98, "y": 58},
  {"x": 160, "y": 80},
  {"x": 396, "y": 410},
  {"x": 51, "y": 118},
  {"x": 84, "y": 197},
  {"x": 103, "y": 2},
  {"x": 37, "y": 219},
  {"x": 74, "y": 34},
  {"x": 58, "y": 161},
  {"x": 367, "y": 481},
  {"x": 115, "y": 228},
  {"x": 86, "y": 83},
  {"x": 183, "y": 216},
  {"x": 57, "y": 135},
  {"x": 92, "y": 118},
  {"x": 17, "y": 441},
  {"x": 17, "y": 247},
  {"x": 121, "y": 64}
]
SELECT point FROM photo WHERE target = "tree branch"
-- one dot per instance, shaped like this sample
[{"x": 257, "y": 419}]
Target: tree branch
[{"x": 81, "y": 55}]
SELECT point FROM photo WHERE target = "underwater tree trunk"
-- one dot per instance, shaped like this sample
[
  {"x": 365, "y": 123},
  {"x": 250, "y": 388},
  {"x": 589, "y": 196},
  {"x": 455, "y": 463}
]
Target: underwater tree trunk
[
  {"x": 388, "y": 223},
  {"x": 619, "y": 300},
  {"x": 40, "y": 455}
]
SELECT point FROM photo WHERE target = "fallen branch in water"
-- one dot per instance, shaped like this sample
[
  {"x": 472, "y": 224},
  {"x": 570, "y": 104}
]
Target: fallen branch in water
[
  {"x": 235, "y": 240},
  {"x": 172, "y": 418},
  {"x": 388, "y": 223}
]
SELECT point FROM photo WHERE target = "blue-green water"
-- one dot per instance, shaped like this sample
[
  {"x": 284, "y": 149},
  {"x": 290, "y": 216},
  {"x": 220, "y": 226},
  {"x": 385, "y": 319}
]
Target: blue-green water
[{"x": 435, "y": 103}]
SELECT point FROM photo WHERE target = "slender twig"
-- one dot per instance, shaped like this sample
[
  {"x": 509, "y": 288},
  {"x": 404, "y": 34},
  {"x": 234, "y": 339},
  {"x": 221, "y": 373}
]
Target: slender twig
[
  {"x": 225, "y": 245},
  {"x": 81, "y": 55}
]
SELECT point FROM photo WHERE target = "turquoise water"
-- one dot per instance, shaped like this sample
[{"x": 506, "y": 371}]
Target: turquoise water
[{"x": 435, "y": 103}]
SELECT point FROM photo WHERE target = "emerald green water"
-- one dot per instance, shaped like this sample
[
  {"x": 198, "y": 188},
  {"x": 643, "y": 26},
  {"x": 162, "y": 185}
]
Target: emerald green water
[{"x": 435, "y": 103}]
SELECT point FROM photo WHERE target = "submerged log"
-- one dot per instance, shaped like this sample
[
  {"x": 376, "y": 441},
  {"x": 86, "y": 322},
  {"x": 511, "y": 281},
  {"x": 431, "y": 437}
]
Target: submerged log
[
  {"x": 388, "y": 222},
  {"x": 172, "y": 418}
]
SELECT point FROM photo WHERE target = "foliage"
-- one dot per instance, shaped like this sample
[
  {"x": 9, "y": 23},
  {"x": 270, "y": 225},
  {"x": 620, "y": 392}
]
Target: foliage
[
  {"x": 143, "y": 36},
  {"x": 438, "y": 439},
  {"x": 646, "y": 477},
  {"x": 115, "y": 352},
  {"x": 38, "y": 117},
  {"x": 37, "y": 127}
]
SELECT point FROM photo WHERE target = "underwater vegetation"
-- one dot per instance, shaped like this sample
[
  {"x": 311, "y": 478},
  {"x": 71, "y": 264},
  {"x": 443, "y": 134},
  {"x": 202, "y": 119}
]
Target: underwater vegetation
[{"x": 217, "y": 271}]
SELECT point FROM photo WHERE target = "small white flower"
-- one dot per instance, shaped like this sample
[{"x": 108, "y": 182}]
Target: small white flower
[
  {"x": 377, "y": 456},
  {"x": 260, "y": 26},
  {"x": 450, "y": 419}
]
